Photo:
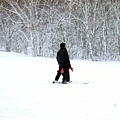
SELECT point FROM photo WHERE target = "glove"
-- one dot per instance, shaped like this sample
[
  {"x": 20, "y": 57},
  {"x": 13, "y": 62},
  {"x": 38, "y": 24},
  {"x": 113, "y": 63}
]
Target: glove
[
  {"x": 71, "y": 68},
  {"x": 62, "y": 70}
]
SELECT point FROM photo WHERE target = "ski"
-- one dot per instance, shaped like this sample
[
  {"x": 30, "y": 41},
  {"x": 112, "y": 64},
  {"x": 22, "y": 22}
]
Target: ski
[
  {"x": 72, "y": 82},
  {"x": 76, "y": 82},
  {"x": 86, "y": 82}
]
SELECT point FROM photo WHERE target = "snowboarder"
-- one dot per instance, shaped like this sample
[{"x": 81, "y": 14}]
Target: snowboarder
[{"x": 64, "y": 65}]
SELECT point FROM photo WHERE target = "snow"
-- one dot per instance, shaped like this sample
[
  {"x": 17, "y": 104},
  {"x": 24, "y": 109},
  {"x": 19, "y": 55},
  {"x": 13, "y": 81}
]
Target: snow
[{"x": 26, "y": 92}]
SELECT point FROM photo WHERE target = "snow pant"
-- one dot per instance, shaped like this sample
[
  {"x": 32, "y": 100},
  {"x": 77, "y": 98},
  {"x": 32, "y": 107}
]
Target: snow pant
[{"x": 66, "y": 75}]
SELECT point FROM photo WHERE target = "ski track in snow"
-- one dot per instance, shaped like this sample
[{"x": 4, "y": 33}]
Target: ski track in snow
[{"x": 27, "y": 92}]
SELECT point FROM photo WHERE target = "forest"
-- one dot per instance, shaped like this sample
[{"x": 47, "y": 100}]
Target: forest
[{"x": 90, "y": 28}]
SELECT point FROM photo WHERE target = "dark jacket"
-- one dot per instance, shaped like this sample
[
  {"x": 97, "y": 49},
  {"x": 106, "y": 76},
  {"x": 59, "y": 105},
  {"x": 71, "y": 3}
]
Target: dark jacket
[{"x": 63, "y": 58}]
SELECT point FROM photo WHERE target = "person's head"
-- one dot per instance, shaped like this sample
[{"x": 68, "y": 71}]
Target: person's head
[{"x": 62, "y": 45}]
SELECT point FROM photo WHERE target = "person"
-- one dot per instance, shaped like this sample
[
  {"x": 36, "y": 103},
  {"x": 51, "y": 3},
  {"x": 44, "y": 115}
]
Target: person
[{"x": 64, "y": 65}]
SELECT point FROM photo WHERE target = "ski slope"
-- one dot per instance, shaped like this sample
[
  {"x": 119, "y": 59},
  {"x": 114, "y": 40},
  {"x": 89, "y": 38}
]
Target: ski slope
[{"x": 27, "y": 92}]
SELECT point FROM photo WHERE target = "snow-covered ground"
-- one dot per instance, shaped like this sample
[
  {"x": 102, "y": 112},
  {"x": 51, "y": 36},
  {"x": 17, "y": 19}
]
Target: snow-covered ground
[{"x": 26, "y": 92}]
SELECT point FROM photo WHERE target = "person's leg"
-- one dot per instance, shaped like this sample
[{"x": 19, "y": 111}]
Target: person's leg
[
  {"x": 58, "y": 75},
  {"x": 66, "y": 76}
]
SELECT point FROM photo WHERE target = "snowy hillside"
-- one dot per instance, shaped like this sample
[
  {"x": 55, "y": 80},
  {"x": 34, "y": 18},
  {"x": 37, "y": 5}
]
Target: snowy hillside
[{"x": 27, "y": 92}]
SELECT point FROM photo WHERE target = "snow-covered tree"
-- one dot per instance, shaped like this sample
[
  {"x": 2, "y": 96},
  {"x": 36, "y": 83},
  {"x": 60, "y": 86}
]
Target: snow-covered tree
[{"x": 90, "y": 28}]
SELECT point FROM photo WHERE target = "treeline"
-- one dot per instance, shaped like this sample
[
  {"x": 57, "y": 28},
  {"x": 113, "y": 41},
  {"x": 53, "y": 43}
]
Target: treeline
[{"x": 90, "y": 28}]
